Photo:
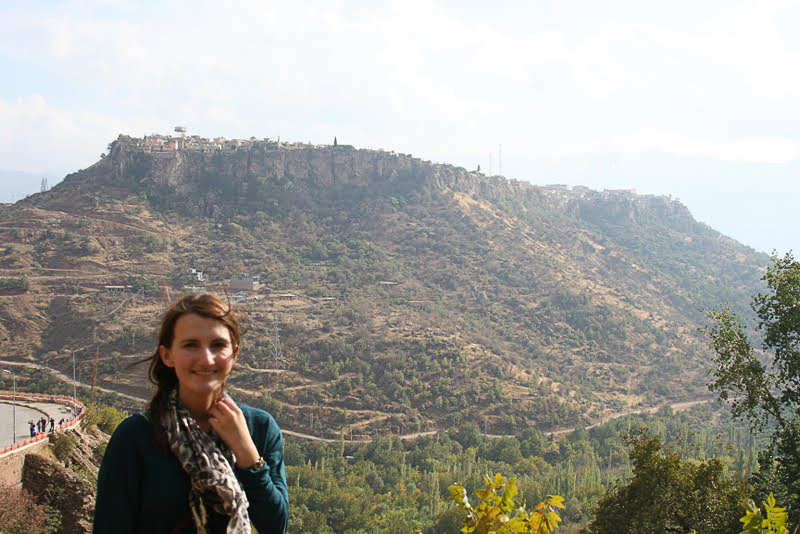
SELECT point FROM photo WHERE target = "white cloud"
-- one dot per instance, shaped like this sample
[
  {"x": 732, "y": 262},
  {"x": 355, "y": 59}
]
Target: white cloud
[
  {"x": 421, "y": 76},
  {"x": 36, "y": 136}
]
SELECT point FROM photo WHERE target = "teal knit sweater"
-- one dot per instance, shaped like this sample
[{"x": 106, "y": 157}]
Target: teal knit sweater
[{"x": 143, "y": 490}]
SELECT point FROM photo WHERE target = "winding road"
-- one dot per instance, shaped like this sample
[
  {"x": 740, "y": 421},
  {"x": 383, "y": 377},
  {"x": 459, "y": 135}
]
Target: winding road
[{"x": 675, "y": 406}]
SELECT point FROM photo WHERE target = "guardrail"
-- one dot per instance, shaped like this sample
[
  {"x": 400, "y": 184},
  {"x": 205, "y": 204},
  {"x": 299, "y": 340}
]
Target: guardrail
[{"x": 76, "y": 405}]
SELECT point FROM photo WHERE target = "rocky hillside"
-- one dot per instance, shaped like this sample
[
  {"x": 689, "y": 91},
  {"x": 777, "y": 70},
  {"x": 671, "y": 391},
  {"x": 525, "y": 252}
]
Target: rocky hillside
[{"x": 398, "y": 295}]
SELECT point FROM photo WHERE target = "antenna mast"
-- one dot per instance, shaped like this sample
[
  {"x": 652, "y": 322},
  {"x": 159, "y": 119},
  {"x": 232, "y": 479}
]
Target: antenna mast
[
  {"x": 44, "y": 185},
  {"x": 500, "y": 161}
]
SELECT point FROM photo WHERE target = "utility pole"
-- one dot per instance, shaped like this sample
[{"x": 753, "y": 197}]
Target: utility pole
[
  {"x": 74, "y": 389},
  {"x": 13, "y": 406}
]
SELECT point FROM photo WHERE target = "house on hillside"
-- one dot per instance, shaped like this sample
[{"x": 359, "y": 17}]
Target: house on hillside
[
  {"x": 118, "y": 289},
  {"x": 197, "y": 275},
  {"x": 245, "y": 282},
  {"x": 281, "y": 296}
]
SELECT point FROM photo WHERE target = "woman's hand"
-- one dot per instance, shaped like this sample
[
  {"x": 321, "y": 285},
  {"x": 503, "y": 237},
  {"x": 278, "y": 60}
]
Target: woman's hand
[{"x": 228, "y": 422}]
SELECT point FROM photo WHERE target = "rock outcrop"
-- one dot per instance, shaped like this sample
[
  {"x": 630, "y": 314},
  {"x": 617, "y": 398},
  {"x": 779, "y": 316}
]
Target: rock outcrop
[{"x": 58, "y": 487}]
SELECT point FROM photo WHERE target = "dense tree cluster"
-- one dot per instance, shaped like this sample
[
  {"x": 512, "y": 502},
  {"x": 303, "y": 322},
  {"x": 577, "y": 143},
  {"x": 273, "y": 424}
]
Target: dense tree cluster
[{"x": 762, "y": 382}]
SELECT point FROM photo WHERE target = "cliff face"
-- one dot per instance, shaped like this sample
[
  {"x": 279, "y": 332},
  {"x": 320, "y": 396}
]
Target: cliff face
[
  {"x": 304, "y": 168},
  {"x": 627, "y": 208}
]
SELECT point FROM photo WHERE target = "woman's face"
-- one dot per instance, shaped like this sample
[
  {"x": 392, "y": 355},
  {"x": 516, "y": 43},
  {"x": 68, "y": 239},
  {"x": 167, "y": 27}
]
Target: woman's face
[{"x": 202, "y": 355}]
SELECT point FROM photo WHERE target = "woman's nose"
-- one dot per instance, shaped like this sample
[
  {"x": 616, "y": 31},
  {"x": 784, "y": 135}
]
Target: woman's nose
[{"x": 208, "y": 355}]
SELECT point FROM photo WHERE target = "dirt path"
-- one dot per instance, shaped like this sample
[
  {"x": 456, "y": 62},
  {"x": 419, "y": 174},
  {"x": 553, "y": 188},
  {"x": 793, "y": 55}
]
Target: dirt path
[{"x": 676, "y": 407}]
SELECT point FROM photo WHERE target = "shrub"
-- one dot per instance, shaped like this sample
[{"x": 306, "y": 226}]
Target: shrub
[
  {"x": 63, "y": 445},
  {"x": 19, "y": 282},
  {"x": 105, "y": 418}
]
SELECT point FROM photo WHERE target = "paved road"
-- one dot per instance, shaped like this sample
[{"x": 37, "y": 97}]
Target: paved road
[
  {"x": 27, "y": 411},
  {"x": 24, "y": 414},
  {"x": 64, "y": 378}
]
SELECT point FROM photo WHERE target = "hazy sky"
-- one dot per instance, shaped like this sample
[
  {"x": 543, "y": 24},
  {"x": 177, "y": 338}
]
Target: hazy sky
[{"x": 699, "y": 100}]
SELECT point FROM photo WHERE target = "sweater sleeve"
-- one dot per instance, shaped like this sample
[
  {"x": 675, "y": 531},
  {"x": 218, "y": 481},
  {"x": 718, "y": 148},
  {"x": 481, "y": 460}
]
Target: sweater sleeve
[
  {"x": 118, "y": 482},
  {"x": 265, "y": 487}
]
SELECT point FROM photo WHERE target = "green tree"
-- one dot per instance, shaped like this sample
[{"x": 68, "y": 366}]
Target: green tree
[
  {"x": 764, "y": 385},
  {"x": 669, "y": 494}
]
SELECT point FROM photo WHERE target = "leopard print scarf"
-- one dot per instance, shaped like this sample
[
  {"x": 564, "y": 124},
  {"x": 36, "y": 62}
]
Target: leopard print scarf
[{"x": 209, "y": 463}]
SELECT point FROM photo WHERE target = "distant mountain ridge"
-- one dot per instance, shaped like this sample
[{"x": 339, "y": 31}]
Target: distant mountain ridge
[{"x": 422, "y": 294}]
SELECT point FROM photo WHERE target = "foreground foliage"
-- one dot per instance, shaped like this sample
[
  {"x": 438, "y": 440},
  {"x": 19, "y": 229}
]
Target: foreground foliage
[
  {"x": 506, "y": 513},
  {"x": 764, "y": 386},
  {"x": 774, "y": 522}
]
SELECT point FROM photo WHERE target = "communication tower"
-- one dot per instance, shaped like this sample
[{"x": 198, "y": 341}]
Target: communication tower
[
  {"x": 44, "y": 185},
  {"x": 500, "y": 161}
]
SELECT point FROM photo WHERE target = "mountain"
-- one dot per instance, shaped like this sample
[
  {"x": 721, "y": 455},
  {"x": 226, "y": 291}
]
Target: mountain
[{"x": 399, "y": 295}]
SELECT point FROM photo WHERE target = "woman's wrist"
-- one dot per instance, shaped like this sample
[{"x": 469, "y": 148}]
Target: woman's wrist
[
  {"x": 257, "y": 465},
  {"x": 248, "y": 458}
]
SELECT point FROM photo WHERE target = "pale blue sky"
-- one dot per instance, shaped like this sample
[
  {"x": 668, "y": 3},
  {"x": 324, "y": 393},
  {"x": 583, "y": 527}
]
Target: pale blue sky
[{"x": 701, "y": 102}]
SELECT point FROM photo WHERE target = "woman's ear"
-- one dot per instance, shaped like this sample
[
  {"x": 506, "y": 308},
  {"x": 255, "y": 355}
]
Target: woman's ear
[{"x": 166, "y": 357}]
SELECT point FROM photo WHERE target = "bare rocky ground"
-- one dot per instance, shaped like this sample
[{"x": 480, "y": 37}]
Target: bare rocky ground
[{"x": 64, "y": 475}]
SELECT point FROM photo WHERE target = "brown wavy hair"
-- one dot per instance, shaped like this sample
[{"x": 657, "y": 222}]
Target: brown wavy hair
[{"x": 163, "y": 376}]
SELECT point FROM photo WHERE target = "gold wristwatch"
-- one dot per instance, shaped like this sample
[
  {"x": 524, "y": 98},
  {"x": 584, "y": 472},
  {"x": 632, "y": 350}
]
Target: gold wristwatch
[{"x": 258, "y": 465}]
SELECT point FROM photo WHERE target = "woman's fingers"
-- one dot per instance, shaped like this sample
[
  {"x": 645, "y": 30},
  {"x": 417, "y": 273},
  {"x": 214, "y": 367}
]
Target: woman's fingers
[{"x": 228, "y": 421}]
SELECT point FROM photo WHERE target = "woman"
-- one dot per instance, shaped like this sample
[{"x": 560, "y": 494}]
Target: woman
[{"x": 195, "y": 461}]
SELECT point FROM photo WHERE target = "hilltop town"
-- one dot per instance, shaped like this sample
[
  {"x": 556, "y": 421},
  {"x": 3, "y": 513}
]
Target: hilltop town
[{"x": 181, "y": 141}]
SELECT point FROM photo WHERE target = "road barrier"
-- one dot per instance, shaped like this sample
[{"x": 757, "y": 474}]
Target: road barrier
[{"x": 76, "y": 406}]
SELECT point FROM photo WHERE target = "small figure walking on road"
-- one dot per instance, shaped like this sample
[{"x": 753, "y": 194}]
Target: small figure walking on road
[
  {"x": 61, "y": 422},
  {"x": 33, "y": 429},
  {"x": 52, "y": 423}
]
